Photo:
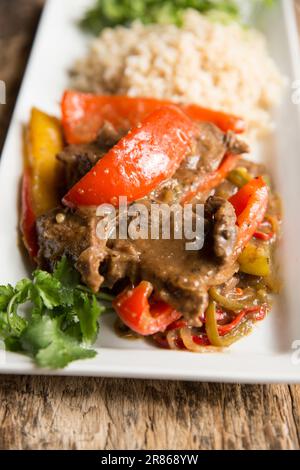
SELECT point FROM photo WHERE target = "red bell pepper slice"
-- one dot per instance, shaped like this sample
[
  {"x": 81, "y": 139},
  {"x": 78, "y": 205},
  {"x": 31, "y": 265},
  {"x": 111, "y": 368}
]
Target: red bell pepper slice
[
  {"x": 139, "y": 315},
  {"x": 83, "y": 114},
  {"x": 259, "y": 313},
  {"x": 146, "y": 156},
  {"x": 213, "y": 179},
  {"x": 28, "y": 218},
  {"x": 226, "y": 122},
  {"x": 250, "y": 203},
  {"x": 264, "y": 236}
]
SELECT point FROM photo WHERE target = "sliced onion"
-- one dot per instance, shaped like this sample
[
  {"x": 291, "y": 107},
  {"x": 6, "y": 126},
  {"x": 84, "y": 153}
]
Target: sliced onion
[
  {"x": 187, "y": 338},
  {"x": 226, "y": 302},
  {"x": 172, "y": 338},
  {"x": 186, "y": 335}
]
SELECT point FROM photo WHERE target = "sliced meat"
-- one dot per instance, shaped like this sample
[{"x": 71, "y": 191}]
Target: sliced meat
[
  {"x": 63, "y": 232},
  {"x": 109, "y": 136},
  {"x": 222, "y": 217},
  {"x": 180, "y": 277},
  {"x": 234, "y": 144},
  {"x": 122, "y": 262},
  {"x": 211, "y": 146},
  {"x": 78, "y": 160},
  {"x": 208, "y": 151}
]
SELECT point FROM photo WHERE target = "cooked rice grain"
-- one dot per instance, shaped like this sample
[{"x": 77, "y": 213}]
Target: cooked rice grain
[{"x": 218, "y": 66}]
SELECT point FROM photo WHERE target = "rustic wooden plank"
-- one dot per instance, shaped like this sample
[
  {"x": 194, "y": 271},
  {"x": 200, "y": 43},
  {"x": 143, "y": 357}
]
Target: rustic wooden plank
[
  {"x": 75, "y": 413},
  {"x": 83, "y": 413},
  {"x": 18, "y": 20}
]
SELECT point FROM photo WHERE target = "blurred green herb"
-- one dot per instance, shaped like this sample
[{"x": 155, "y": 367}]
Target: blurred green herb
[{"x": 110, "y": 13}]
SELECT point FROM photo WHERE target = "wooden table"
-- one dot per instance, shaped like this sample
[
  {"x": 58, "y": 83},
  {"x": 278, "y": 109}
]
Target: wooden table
[{"x": 78, "y": 413}]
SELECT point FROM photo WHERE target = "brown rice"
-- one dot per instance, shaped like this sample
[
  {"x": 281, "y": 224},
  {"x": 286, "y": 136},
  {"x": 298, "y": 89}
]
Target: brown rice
[{"x": 224, "y": 67}]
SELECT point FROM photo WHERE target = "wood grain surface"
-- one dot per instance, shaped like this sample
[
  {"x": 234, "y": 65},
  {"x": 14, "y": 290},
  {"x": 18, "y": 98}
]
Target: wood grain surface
[{"x": 84, "y": 413}]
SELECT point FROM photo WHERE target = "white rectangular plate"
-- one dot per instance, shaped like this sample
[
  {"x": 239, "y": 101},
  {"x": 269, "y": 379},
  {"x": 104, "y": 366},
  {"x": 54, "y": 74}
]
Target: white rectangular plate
[{"x": 266, "y": 355}]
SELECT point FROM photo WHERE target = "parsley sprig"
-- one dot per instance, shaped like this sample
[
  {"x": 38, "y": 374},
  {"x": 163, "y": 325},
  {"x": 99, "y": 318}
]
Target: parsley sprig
[{"x": 52, "y": 317}]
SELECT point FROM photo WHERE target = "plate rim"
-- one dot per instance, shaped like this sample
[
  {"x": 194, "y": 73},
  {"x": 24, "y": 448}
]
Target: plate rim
[{"x": 287, "y": 373}]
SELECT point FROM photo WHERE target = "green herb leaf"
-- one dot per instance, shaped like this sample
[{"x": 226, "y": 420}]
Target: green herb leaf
[
  {"x": 21, "y": 295},
  {"x": 44, "y": 340},
  {"x": 48, "y": 289},
  {"x": 61, "y": 320},
  {"x": 88, "y": 311},
  {"x": 6, "y": 293},
  {"x": 61, "y": 352},
  {"x": 66, "y": 274},
  {"x": 39, "y": 333},
  {"x": 110, "y": 13}
]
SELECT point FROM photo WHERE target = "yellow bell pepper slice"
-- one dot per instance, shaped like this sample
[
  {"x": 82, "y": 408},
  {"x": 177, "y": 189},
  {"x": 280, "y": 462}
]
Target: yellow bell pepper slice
[
  {"x": 255, "y": 260},
  {"x": 44, "y": 141}
]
